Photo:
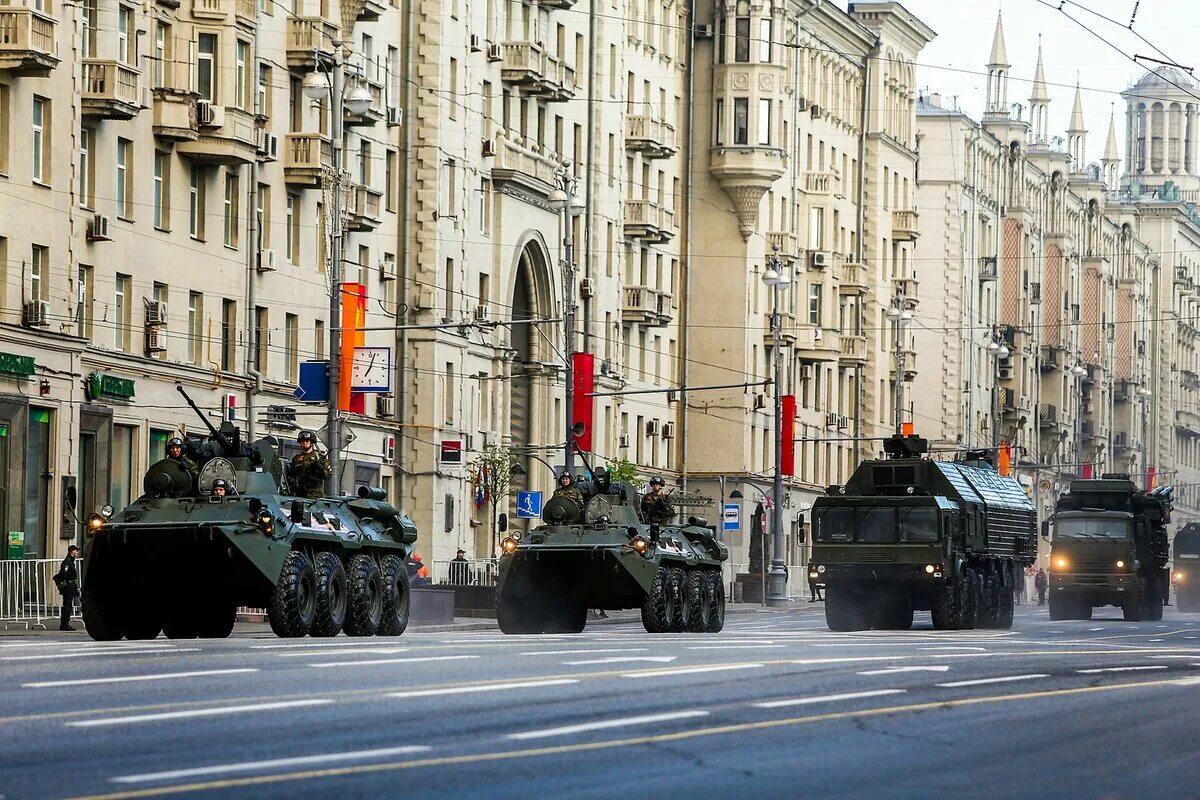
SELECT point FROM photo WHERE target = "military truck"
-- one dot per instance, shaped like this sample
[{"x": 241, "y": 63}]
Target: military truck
[
  {"x": 1186, "y": 575},
  {"x": 606, "y": 556},
  {"x": 180, "y": 559},
  {"x": 1110, "y": 548},
  {"x": 909, "y": 533}
]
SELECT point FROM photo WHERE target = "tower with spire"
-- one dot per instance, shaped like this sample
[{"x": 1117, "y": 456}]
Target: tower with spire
[
  {"x": 1110, "y": 162},
  {"x": 1039, "y": 102},
  {"x": 997, "y": 76},
  {"x": 1077, "y": 135}
]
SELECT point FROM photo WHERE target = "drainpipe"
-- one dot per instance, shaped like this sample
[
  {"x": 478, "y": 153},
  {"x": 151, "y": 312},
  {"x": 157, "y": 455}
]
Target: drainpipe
[
  {"x": 408, "y": 108},
  {"x": 860, "y": 224},
  {"x": 685, "y": 268}
]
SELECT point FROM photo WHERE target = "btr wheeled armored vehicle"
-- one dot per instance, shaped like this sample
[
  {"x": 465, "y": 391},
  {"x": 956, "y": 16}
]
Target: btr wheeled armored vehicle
[{"x": 1186, "y": 574}]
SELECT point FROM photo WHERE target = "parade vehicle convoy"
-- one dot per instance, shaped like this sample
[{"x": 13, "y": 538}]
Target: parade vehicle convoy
[
  {"x": 909, "y": 533},
  {"x": 181, "y": 559},
  {"x": 1186, "y": 574},
  {"x": 1110, "y": 548},
  {"x": 606, "y": 556}
]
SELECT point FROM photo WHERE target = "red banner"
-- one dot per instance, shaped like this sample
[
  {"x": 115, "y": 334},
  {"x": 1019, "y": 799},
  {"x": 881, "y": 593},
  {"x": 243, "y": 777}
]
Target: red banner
[
  {"x": 788, "y": 467},
  {"x": 584, "y": 383},
  {"x": 1087, "y": 472},
  {"x": 354, "y": 317},
  {"x": 1151, "y": 478},
  {"x": 1004, "y": 459}
]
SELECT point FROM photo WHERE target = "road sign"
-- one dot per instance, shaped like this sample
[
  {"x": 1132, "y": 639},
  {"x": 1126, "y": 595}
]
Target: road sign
[
  {"x": 314, "y": 382},
  {"x": 731, "y": 517},
  {"x": 529, "y": 505}
]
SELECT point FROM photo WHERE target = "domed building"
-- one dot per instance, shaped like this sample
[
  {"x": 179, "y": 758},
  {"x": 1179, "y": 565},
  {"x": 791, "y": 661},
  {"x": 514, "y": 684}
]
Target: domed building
[{"x": 1161, "y": 130}]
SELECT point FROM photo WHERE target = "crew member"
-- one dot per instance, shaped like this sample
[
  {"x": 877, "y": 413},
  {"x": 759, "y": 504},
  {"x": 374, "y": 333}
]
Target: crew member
[
  {"x": 601, "y": 481},
  {"x": 309, "y": 469},
  {"x": 175, "y": 453},
  {"x": 220, "y": 488},
  {"x": 566, "y": 488},
  {"x": 656, "y": 506}
]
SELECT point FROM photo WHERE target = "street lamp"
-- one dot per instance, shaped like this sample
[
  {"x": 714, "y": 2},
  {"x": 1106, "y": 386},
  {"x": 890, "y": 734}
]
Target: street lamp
[
  {"x": 777, "y": 278},
  {"x": 900, "y": 315},
  {"x": 562, "y": 200},
  {"x": 1078, "y": 371},
  {"x": 1144, "y": 394},
  {"x": 999, "y": 350}
]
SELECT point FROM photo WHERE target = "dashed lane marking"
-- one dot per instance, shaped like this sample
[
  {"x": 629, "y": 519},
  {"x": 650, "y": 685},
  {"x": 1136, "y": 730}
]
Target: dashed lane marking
[
  {"x": 736, "y": 647},
  {"x": 196, "y": 712},
  {"x": 621, "y": 660},
  {"x": 1001, "y": 679},
  {"x": 894, "y": 670},
  {"x": 623, "y": 722},
  {"x": 828, "y": 698},
  {"x": 101, "y": 653},
  {"x": 583, "y": 652},
  {"x": 487, "y": 687},
  {"x": 274, "y": 763},
  {"x": 667, "y": 673},
  {"x": 377, "y": 661},
  {"x": 1098, "y": 670},
  {"x": 163, "y": 676},
  {"x": 378, "y": 651}
]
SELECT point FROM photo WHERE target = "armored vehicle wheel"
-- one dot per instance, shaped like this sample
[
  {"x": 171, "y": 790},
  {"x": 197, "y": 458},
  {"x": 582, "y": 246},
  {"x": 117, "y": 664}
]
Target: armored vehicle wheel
[
  {"x": 1059, "y": 608},
  {"x": 215, "y": 620},
  {"x": 658, "y": 609},
  {"x": 699, "y": 597},
  {"x": 989, "y": 600},
  {"x": 1135, "y": 604},
  {"x": 1154, "y": 601},
  {"x": 895, "y": 613},
  {"x": 366, "y": 596},
  {"x": 844, "y": 609},
  {"x": 683, "y": 609},
  {"x": 181, "y": 620},
  {"x": 397, "y": 601},
  {"x": 331, "y": 595},
  {"x": 514, "y": 617},
  {"x": 951, "y": 605},
  {"x": 716, "y": 611},
  {"x": 1004, "y": 620},
  {"x": 145, "y": 624},
  {"x": 293, "y": 603},
  {"x": 973, "y": 597},
  {"x": 101, "y": 616},
  {"x": 570, "y": 617}
]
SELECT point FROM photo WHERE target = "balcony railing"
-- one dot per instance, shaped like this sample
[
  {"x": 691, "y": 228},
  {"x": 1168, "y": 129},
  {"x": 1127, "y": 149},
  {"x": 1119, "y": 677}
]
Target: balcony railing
[
  {"x": 819, "y": 182},
  {"x": 307, "y": 36},
  {"x": 787, "y": 245},
  {"x": 110, "y": 90},
  {"x": 646, "y": 306},
  {"x": 27, "y": 42},
  {"x": 788, "y": 330},
  {"x": 904, "y": 225},
  {"x": 854, "y": 350},
  {"x": 1047, "y": 416},
  {"x": 1048, "y": 362},
  {"x": 853, "y": 279},
  {"x": 529, "y": 168},
  {"x": 306, "y": 157},
  {"x": 365, "y": 208},
  {"x": 538, "y": 73},
  {"x": 652, "y": 137},
  {"x": 646, "y": 220}
]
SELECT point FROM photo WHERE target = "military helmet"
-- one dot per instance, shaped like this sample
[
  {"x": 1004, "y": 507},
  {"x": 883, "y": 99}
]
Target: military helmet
[
  {"x": 174, "y": 441},
  {"x": 656, "y": 481},
  {"x": 306, "y": 436},
  {"x": 567, "y": 475},
  {"x": 220, "y": 483}
]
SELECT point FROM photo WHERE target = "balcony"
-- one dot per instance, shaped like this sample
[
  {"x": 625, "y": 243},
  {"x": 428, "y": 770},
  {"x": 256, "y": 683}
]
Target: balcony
[
  {"x": 309, "y": 35},
  {"x": 1087, "y": 428},
  {"x": 372, "y": 10},
  {"x": 230, "y": 138},
  {"x": 819, "y": 183},
  {"x": 746, "y": 172},
  {"x": 1048, "y": 361},
  {"x": 364, "y": 208},
  {"x": 1048, "y": 416},
  {"x": 537, "y": 73},
  {"x": 307, "y": 156},
  {"x": 27, "y": 44},
  {"x": 560, "y": 4},
  {"x": 818, "y": 344},
  {"x": 110, "y": 90},
  {"x": 175, "y": 105},
  {"x": 652, "y": 137},
  {"x": 786, "y": 245},
  {"x": 1120, "y": 441},
  {"x": 853, "y": 279},
  {"x": 787, "y": 329},
  {"x": 906, "y": 288},
  {"x": 987, "y": 268},
  {"x": 646, "y": 306},
  {"x": 376, "y": 113},
  {"x": 646, "y": 220},
  {"x": 529, "y": 170},
  {"x": 1008, "y": 399},
  {"x": 904, "y": 226},
  {"x": 1122, "y": 390},
  {"x": 854, "y": 351}
]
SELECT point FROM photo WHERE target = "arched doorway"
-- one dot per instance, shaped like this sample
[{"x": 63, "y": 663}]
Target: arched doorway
[{"x": 532, "y": 345}]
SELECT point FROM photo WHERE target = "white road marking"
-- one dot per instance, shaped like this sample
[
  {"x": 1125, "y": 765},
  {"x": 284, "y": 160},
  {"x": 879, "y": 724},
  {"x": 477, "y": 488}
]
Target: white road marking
[
  {"x": 583, "y": 652},
  {"x": 953, "y": 647},
  {"x": 274, "y": 763},
  {"x": 1003, "y": 679},
  {"x": 378, "y": 651},
  {"x": 621, "y": 660},
  {"x": 828, "y": 698},
  {"x": 98, "y": 653},
  {"x": 1120, "y": 669},
  {"x": 294, "y": 645},
  {"x": 737, "y": 647},
  {"x": 488, "y": 687},
  {"x": 374, "y": 661},
  {"x": 1092, "y": 629},
  {"x": 567, "y": 730},
  {"x": 164, "y": 676},
  {"x": 196, "y": 712},
  {"x": 1175, "y": 656},
  {"x": 688, "y": 670},
  {"x": 894, "y": 670}
]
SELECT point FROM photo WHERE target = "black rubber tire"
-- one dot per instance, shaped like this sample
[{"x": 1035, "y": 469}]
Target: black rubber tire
[
  {"x": 332, "y": 592},
  {"x": 989, "y": 602},
  {"x": 1060, "y": 608},
  {"x": 697, "y": 595},
  {"x": 844, "y": 610},
  {"x": 972, "y": 597},
  {"x": 513, "y": 617},
  {"x": 1154, "y": 601},
  {"x": 181, "y": 621},
  {"x": 145, "y": 623},
  {"x": 949, "y": 606},
  {"x": 1008, "y": 604},
  {"x": 894, "y": 613},
  {"x": 716, "y": 611},
  {"x": 1135, "y": 605},
  {"x": 569, "y": 618},
  {"x": 683, "y": 611},
  {"x": 102, "y": 616},
  {"x": 658, "y": 609},
  {"x": 293, "y": 604},
  {"x": 216, "y": 619},
  {"x": 397, "y": 598},
  {"x": 365, "y": 607}
]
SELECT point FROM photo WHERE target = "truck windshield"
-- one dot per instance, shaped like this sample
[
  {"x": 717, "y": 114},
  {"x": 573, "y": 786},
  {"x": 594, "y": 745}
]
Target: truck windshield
[
  {"x": 918, "y": 525},
  {"x": 877, "y": 525},
  {"x": 1092, "y": 528},
  {"x": 835, "y": 525}
]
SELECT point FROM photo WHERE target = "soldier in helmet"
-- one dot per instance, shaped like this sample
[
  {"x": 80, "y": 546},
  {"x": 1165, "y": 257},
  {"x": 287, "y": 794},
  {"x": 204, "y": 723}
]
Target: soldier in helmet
[
  {"x": 220, "y": 488},
  {"x": 309, "y": 469},
  {"x": 567, "y": 488},
  {"x": 175, "y": 453},
  {"x": 656, "y": 507}
]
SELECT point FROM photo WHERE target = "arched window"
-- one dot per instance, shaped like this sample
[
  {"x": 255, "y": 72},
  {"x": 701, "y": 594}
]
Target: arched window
[
  {"x": 764, "y": 32},
  {"x": 741, "y": 32}
]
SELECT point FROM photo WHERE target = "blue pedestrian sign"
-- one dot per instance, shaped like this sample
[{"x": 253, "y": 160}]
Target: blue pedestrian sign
[
  {"x": 731, "y": 517},
  {"x": 529, "y": 505}
]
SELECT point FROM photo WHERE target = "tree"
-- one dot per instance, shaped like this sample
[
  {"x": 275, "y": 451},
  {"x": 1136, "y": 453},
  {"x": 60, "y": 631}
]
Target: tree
[
  {"x": 491, "y": 477},
  {"x": 622, "y": 469}
]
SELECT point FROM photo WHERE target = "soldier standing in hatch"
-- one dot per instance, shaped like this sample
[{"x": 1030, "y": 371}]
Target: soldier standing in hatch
[
  {"x": 175, "y": 453},
  {"x": 309, "y": 469},
  {"x": 566, "y": 488},
  {"x": 656, "y": 507}
]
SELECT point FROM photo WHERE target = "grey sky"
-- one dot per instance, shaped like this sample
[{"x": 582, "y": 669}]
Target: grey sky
[{"x": 964, "y": 41}]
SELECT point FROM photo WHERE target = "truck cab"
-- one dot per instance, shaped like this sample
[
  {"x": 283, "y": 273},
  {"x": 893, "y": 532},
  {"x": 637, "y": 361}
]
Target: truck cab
[{"x": 1185, "y": 576}]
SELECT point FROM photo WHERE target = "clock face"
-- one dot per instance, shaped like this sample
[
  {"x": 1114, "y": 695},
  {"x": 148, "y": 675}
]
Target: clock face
[{"x": 372, "y": 370}]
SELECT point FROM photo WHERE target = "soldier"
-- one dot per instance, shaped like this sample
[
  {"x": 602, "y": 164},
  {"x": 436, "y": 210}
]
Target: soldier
[
  {"x": 219, "y": 487},
  {"x": 175, "y": 453},
  {"x": 309, "y": 469},
  {"x": 601, "y": 481},
  {"x": 566, "y": 488},
  {"x": 656, "y": 507}
]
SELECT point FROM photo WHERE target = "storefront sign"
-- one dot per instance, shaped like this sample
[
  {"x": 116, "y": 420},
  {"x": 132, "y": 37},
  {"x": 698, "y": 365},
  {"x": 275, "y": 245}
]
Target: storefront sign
[
  {"x": 16, "y": 544},
  {"x": 99, "y": 386},
  {"x": 16, "y": 366},
  {"x": 451, "y": 451}
]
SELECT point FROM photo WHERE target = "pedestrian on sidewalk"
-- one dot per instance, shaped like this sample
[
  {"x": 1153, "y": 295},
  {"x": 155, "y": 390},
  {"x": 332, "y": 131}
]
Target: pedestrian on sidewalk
[
  {"x": 1039, "y": 583},
  {"x": 459, "y": 569},
  {"x": 67, "y": 581},
  {"x": 814, "y": 591}
]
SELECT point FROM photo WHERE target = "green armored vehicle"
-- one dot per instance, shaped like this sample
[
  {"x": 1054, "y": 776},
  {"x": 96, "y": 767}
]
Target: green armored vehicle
[
  {"x": 1186, "y": 576},
  {"x": 909, "y": 533},
  {"x": 182, "y": 558},
  {"x": 1110, "y": 548},
  {"x": 605, "y": 555}
]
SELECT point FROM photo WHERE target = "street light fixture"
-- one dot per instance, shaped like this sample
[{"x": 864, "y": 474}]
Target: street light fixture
[
  {"x": 562, "y": 200},
  {"x": 777, "y": 277},
  {"x": 901, "y": 315}
]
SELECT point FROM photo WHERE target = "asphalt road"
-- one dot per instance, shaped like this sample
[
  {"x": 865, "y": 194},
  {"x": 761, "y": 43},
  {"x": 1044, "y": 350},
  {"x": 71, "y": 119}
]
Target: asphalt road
[{"x": 775, "y": 706}]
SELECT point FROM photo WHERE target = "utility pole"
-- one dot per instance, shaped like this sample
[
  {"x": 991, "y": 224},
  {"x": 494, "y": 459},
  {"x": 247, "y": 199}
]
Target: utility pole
[
  {"x": 777, "y": 278},
  {"x": 563, "y": 199},
  {"x": 900, "y": 315}
]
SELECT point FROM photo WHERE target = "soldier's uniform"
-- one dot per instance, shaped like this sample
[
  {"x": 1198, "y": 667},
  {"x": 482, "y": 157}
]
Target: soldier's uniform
[
  {"x": 657, "y": 508},
  {"x": 307, "y": 474},
  {"x": 571, "y": 492},
  {"x": 192, "y": 468}
]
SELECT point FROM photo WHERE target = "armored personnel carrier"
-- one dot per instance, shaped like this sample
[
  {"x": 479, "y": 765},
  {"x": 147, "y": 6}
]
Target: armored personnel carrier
[
  {"x": 606, "y": 556},
  {"x": 1110, "y": 548},
  {"x": 181, "y": 559},
  {"x": 908, "y": 533},
  {"x": 1186, "y": 576}
]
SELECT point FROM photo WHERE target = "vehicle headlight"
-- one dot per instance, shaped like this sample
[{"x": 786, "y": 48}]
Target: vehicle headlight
[
  {"x": 267, "y": 522},
  {"x": 929, "y": 568},
  {"x": 1179, "y": 576},
  {"x": 1120, "y": 564},
  {"x": 95, "y": 522},
  {"x": 1060, "y": 562},
  {"x": 821, "y": 569},
  {"x": 509, "y": 545},
  {"x": 640, "y": 543}
]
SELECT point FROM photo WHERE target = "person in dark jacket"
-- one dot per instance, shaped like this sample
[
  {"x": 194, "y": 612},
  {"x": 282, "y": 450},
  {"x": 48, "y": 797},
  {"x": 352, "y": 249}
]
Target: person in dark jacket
[
  {"x": 460, "y": 569},
  {"x": 67, "y": 581},
  {"x": 1039, "y": 583}
]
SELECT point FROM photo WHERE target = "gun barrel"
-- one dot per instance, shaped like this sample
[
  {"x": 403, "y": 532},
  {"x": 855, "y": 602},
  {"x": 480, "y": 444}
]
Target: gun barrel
[{"x": 220, "y": 437}]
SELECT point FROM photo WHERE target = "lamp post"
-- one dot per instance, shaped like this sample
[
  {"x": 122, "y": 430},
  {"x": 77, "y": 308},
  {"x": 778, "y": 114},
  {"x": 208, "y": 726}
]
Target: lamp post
[
  {"x": 317, "y": 86},
  {"x": 563, "y": 200},
  {"x": 901, "y": 315},
  {"x": 777, "y": 278},
  {"x": 1078, "y": 371},
  {"x": 1000, "y": 351},
  {"x": 1144, "y": 394}
]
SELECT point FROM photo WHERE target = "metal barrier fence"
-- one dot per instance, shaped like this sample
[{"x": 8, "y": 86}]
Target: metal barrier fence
[
  {"x": 28, "y": 595},
  {"x": 478, "y": 572}
]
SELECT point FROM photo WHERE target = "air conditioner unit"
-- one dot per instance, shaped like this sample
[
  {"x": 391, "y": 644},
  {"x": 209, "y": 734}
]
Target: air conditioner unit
[
  {"x": 704, "y": 31},
  {"x": 587, "y": 288},
  {"x": 394, "y": 115},
  {"x": 623, "y": 440},
  {"x": 385, "y": 405},
  {"x": 668, "y": 430},
  {"x": 156, "y": 341},
  {"x": 652, "y": 428},
  {"x": 489, "y": 148},
  {"x": 607, "y": 367},
  {"x": 806, "y": 371},
  {"x": 814, "y": 110},
  {"x": 35, "y": 314},
  {"x": 818, "y": 259},
  {"x": 266, "y": 260},
  {"x": 268, "y": 145},
  {"x": 98, "y": 229},
  {"x": 206, "y": 114},
  {"x": 481, "y": 312},
  {"x": 1005, "y": 373},
  {"x": 760, "y": 401},
  {"x": 493, "y": 52},
  {"x": 156, "y": 313},
  {"x": 475, "y": 43}
]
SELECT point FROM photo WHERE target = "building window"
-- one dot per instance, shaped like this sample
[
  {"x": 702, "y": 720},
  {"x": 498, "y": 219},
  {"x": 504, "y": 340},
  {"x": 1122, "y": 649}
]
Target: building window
[
  {"x": 262, "y": 213},
  {"x": 364, "y": 162},
  {"x": 39, "y": 273},
  {"x": 122, "y": 464},
  {"x": 195, "y": 326},
  {"x": 162, "y": 190},
  {"x": 124, "y": 189},
  {"x": 196, "y": 203},
  {"x": 228, "y": 334},
  {"x": 87, "y": 170},
  {"x": 262, "y": 102},
  {"x": 485, "y": 207},
  {"x": 764, "y": 121},
  {"x": 291, "y": 347},
  {"x": 452, "y": 104},
  {"x": 816, "y": 229},
  {"x": 121, "y": 312},
  {"x": 157, "y": 446},
  {"x": 741, "y": 32},
  {"x": 4, "y": 129},
  {"x": 814, "y": 304},
  {"x": 162, "y": 37},
  {"x": 260, "y": 339},
  {"x": 241, "y": 94},
  {"x": 319, "y": 340},
  {"x": 293, "y": 229},
  {"x": 89, "y": 12},
  {"x": 126, "y": 44},
  {"x": 231, "y": 209},
  {"x": 41, "y": 134},
  {"x": 741, "y": 120},
  {"x": 764, "y": 33},
  {"x": 83, "y": 302},
  {"x": 206, "y": 66},
  {"x": 389, "y": 180}
]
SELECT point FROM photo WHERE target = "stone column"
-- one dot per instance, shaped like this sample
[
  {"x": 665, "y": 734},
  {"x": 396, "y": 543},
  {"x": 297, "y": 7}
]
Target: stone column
[
  {"x": 1130, "y": 139},
  {"x": 1189, "y": 141}
]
